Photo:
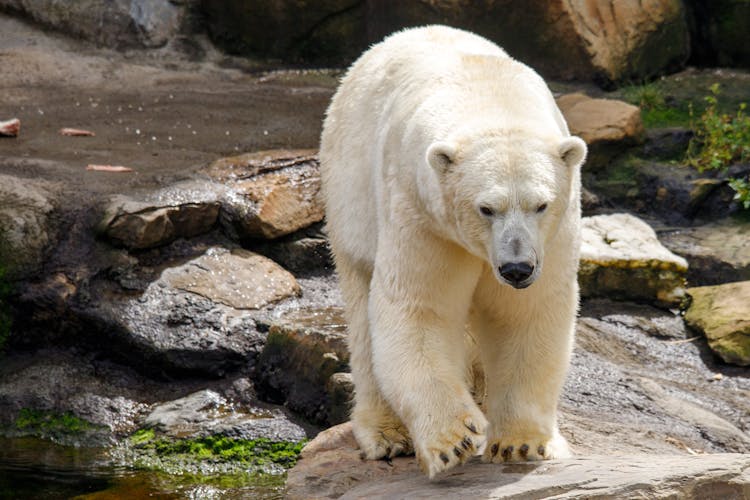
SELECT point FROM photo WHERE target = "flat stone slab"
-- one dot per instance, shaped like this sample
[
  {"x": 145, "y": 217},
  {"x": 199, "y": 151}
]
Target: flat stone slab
[
  {"x": 622, "y": 258},
  {"x": 330, "y": 467},
  {"x": 238, "y": 278},
  {"x": 722, "y": 314}
]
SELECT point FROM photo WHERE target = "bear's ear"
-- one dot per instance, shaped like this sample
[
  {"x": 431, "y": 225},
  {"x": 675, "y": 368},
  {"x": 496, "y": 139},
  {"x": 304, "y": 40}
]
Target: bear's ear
[
  {"x": 573, "y": 151},
  {"x": 441, "y": 155}
]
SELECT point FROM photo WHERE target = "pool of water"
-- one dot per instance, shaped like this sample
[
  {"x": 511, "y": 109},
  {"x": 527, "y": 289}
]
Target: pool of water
[{"x": 36, "y": 469}]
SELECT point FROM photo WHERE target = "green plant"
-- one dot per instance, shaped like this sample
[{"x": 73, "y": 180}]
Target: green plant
[{"x": 720, "y": 140}]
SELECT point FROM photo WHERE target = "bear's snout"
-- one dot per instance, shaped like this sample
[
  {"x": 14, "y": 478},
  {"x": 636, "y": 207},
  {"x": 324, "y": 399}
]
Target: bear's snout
[{"x": 517, "y": 273}]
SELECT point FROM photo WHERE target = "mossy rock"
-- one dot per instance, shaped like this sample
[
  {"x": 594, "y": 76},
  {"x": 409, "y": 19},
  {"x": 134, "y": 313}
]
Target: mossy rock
[{"x": 722, "y": 314}]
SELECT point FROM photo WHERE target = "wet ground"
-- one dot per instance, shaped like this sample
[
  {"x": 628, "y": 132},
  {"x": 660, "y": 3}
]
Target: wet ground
[{"x": 159, "y": 113}]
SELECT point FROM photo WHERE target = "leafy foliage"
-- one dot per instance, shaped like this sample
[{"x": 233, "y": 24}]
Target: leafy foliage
[{"x": 721, "y": 140}]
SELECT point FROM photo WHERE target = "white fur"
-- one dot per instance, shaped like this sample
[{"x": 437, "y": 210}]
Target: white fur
[{"x": 427, "y": 129}]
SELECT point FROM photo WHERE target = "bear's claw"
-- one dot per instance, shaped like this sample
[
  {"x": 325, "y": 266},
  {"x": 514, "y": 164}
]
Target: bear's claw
[{"x": 506, "y": 450}]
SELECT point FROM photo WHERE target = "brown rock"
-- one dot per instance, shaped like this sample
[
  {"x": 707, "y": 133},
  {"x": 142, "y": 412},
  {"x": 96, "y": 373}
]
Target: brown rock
[
  {"x": 272, "y": 193},
  {"x": 608, "y": 126}
]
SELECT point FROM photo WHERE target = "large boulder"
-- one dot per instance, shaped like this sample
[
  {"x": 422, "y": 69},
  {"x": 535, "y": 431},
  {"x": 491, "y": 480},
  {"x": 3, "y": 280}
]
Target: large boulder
[
  {"x": 601, "y": 39},
  {"x": 722, "y": 314},
  {"x": 288, "y": 29},
  {"x": 622, "y": 258},
  {"x": 111, "y": 23}
]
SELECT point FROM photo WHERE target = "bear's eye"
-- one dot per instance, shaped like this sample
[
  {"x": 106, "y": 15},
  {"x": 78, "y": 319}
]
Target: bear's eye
[
  {"x": 541, "y": 208},
  {"x": 486, "y": 211}
]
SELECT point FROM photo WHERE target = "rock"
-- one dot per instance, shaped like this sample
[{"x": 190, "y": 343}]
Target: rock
[
  {"x": 27, "y": 225},
  {"x": 195, "y": 316},
  {"x": 118, "y": 24},
  {"x": 666, "y": 143},
  {"x": 271, "y": 193},
  {"x": 330, "y": 467},
  {"x": 303, "y": 350},
  {"x": 305, "y": 252},
  {"x": 290, "y": 29},
  {"x": 207, "y": 413},
  {"x": 608, "y": 126},
  {"x": 181, "y": 211},
  {"x": 83, "y": 386},
  {"x": 604, "y": 40},
  {"x": 717, "y": 252},
  {"x": 239, "y": 279},
  {"x": 722, "y": 314},
  {"x": 718, "y": 33},
  {"x": 622, "y": 258},
  {"x": 673, "y": 193}
]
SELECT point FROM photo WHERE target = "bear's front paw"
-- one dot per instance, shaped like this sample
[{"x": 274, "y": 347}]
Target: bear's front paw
[
  {"x": 521, "y": 448},
  {"x": 455, "y": 444}
]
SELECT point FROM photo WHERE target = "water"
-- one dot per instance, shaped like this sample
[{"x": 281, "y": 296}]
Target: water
[{"x": 31, "y": 468}]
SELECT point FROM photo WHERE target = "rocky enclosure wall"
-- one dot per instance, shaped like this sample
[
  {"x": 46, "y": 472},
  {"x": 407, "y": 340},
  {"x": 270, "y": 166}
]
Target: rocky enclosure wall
[{"x": 608, "y": 41}]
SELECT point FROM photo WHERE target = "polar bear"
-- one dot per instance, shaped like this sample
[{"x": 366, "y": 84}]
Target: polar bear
[{"x": 452, "y": 186}]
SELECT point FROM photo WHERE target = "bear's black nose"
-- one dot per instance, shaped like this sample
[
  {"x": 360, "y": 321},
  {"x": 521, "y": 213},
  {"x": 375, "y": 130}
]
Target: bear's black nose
[{"x": 516, "y": 273}]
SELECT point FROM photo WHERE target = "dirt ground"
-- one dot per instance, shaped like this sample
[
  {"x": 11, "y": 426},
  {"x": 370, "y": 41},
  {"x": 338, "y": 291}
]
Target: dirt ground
[{"x": 157, "y": 112}]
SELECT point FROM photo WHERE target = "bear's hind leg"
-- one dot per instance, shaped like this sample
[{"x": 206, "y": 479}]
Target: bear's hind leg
[{"x": 379, "y": 432}]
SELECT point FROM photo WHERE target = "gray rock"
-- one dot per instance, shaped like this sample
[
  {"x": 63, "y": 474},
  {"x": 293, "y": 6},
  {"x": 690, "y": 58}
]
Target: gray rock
[
  {"x": 194, "y": 317},
  {"x": 27, "y": 229},
  {"x": 207, "y": 413},
  {"x": 717, "y": 252},
  {"x": 117, "y": 24},
  {"x": 303, "y": 350},
  {"x": 622, "y": 258}
]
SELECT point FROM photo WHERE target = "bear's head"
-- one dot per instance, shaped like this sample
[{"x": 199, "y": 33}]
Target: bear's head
[{"x": 506, "y": 195}]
